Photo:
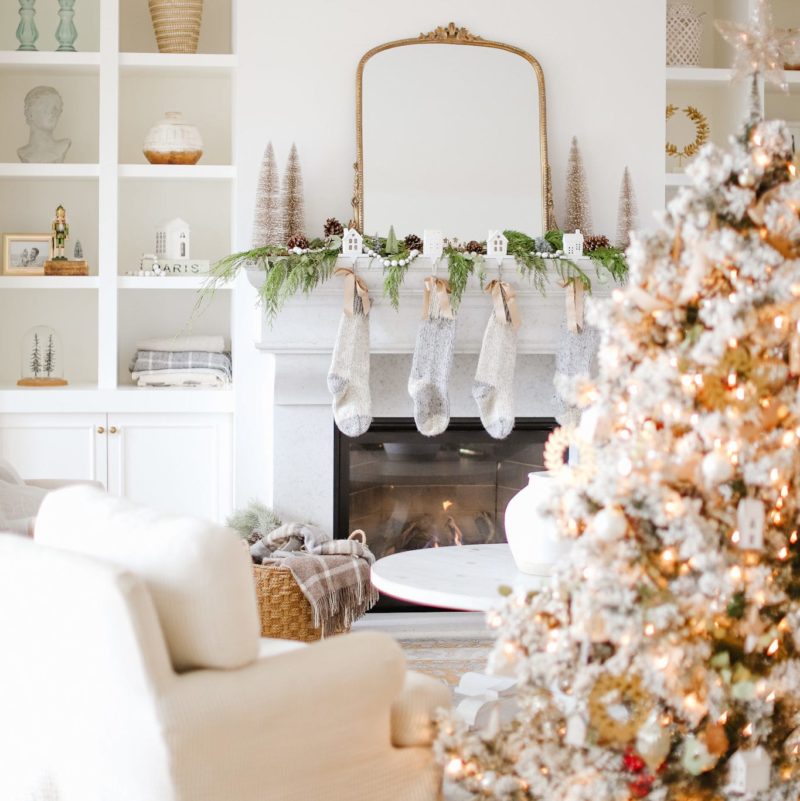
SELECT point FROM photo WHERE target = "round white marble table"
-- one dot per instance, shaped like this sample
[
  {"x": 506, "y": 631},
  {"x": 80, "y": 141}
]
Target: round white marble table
[{"x": 464, "y": 577}]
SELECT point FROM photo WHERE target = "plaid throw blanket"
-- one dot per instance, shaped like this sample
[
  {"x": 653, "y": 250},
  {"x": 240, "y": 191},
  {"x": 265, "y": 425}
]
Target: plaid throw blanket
[
  {"x": 332, "y": 574},
  {"x": 149, "y": 360}
]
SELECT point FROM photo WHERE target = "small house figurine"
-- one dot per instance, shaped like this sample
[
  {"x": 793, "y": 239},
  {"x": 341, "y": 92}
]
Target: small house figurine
[
  {"x": 432, "y": 244},
  {"x": 496, "y": 245},
  {"x": 173, "y": 240},
  {"x": 750, "y": 516},
  {"x": 749, "y": 772},
  {"x": 573, "y": 244},
  {"x": 352, "y": 243}
]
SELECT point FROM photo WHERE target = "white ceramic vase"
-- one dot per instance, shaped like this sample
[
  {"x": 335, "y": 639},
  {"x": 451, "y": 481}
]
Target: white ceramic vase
[
  {"x": 173, "y": 141},
  {"x": 534, "y": 539}
]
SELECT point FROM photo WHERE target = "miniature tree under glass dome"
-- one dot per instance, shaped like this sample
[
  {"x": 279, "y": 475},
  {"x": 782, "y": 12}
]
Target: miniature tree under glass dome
[{"x": 42, "y": 358}]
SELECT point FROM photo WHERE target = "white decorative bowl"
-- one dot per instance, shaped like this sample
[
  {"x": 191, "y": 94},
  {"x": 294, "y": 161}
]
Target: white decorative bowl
[
  {"x": 534, "y": 539},
  {"x": 173, "y": 141}
]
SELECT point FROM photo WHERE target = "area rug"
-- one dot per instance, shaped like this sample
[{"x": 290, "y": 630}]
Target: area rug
[{"x": 446, "y": 659}]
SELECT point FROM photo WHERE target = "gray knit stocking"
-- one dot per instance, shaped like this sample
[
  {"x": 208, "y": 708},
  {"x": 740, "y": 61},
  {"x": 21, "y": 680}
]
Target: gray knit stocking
[
  {"x": 493, "y": 388},
  {"x": 348, "y": 377},
  {"x": 430, "y": 370}
]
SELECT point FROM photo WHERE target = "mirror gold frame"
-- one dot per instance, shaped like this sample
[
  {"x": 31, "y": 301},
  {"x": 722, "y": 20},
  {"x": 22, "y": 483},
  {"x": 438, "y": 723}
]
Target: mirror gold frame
[{"x": 451, "y": 35}]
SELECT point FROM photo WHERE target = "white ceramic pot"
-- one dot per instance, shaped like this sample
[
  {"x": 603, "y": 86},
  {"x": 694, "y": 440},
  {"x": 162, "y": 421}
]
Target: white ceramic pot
[
  {"x": 173, "y": 141},
  {"x": 533, "y": 538}
]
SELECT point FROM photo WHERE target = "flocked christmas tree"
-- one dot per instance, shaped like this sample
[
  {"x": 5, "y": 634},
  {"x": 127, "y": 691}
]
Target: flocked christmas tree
[
  {"x": 627, "y": 211},
  {"x": 268, "y": 218},
  {"x": 293, "y": 204},
  {"x": 579, "y": 213},
  {"x": 663, "y": 662},
  {"x": 36, "y": 357},
  {"x": 50, "y": 356}
]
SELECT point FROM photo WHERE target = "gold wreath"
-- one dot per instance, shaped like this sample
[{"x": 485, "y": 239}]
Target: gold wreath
[
  {"x": 625, "y": 690},
  {"x": 702, "y": 131},
  {"x": 557, "y": 444}
]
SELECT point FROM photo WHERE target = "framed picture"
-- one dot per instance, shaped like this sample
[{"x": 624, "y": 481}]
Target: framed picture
[{"x": 25, "y": 254}]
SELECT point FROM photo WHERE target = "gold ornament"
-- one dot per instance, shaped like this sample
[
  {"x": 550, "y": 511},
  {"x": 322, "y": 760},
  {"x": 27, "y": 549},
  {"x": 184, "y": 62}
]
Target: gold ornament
[
  {"x": 615, "y": 691},
  {"x": 557, "y": 446},
  {"x": 702, "y": 132}
]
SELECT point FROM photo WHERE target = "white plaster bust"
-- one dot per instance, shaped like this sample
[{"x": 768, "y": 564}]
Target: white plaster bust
[{"x": 43, "y": 107}]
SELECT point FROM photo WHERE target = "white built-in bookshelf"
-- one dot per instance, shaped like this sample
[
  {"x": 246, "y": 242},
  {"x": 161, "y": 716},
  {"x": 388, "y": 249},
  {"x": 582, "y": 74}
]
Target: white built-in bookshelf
[
  {"x": 114, "y": 90},
  {"x": 709, "y": 88}
]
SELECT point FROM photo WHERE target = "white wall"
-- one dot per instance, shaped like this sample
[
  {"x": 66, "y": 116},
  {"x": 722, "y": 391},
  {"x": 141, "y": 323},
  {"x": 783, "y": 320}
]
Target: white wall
[{"x": 603, "y": 62}]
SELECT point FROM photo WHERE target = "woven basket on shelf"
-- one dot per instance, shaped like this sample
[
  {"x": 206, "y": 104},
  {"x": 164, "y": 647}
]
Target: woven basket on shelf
[
  {"x": 684, "y": 31},
  {"x": 176, "y": 24},
  {"x": 285, "y": 612}
]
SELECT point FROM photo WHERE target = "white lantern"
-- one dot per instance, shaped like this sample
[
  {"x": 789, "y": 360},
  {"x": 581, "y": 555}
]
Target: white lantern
[
  {"x": 573, "y": 244},
  {"x": 749, "y": 772},
  {"x": 750, "y": 515},
  {"x": 352, "y": 243},
  {"x": 535, "y": 541},
  {"x": 432, "y": 244},
  {"x": 496, "y": 245},
  {"x": 173, "y": 239}
]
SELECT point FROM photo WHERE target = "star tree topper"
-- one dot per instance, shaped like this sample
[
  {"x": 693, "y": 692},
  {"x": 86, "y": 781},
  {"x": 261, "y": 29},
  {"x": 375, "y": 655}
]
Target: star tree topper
[{"x": 761, "y": 49}]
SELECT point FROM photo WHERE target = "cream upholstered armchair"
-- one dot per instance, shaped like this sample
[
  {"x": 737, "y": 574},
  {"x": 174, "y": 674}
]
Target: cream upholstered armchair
[{"x": 131, "y": 670}]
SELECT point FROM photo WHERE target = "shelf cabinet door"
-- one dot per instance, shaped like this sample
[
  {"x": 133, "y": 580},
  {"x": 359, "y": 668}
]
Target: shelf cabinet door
[
  {"x": 177, "y": 463},
  {"x": 55, "y": 446}
]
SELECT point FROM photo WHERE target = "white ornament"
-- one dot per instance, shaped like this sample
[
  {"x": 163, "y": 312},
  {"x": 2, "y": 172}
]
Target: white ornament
[
  {"x": 394, "y": 262},
  {"x": 173, "y": 239},
  {"x": 610, "y": 524},
  {"x": 716, "y": 468},
  {"x": 573, "y": 244},
  {"x": 352, "y": 243},
  {"x": 496, "y": 245},
  {"x": 653, "y": 742},
  {"x": 432, "y": 244},
  {"x": 386, "y": 262},
  {"x": 749, "y": 772},
  {"x": 750, "y": 515},
  {"x": 576, "y": 731}
]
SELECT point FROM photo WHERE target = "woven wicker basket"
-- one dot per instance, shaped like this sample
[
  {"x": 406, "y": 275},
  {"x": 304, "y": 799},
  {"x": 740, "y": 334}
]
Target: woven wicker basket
[
  {"x": 177, "y": 24},
  {"x": 684, "y": 31},
  {"x": 285, "y": 612}
]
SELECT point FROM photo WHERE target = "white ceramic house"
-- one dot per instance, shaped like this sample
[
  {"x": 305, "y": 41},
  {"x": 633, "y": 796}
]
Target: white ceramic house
[
  {"x": 573, "y": 244},
  {"x": 432, "y": 244},
  {"x": 750, "y": 516},
  {"x": 496, "y": 245},
  {"x": 173, "y": 240},
  {"x": 352, "y": 243},
  {"x": 749, "y": 772}
]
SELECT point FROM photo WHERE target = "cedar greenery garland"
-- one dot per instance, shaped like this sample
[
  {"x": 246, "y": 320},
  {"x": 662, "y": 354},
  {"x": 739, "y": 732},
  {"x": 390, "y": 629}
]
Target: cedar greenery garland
[{"x": 288, "y": 273}]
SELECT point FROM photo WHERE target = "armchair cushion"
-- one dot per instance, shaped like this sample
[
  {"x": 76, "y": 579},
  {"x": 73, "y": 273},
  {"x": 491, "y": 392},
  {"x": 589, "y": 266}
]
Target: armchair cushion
[
  {"x": 197, "y": 572},
  {"x": 8, "y": 473},
  {"x": 19, "y": 501}
]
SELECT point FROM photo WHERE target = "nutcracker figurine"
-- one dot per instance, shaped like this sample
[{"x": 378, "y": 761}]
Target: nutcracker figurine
[{"x": 60, "y": 234}]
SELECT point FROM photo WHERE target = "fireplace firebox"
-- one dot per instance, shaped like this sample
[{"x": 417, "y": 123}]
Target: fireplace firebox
[{"x": 408, "y": 491}]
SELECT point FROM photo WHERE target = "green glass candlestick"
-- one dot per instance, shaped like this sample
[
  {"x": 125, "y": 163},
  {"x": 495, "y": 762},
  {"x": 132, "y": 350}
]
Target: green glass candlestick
[
  {"x": 27, "y": 34},
  {"x": 66, "y": 34}
]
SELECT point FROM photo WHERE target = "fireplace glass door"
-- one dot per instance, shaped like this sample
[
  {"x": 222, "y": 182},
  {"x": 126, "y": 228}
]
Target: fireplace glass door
[{"x": 407, "y": 491}]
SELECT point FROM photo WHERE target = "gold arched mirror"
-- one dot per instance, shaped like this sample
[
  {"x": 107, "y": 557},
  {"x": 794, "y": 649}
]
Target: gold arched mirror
[{"x": 452, "y": 138}]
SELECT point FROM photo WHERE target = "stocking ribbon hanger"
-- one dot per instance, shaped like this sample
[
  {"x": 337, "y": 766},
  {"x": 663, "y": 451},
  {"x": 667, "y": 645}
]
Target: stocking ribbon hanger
[
  {"x": 353, "y": 286},
  {"x": 504, "y": 299}
]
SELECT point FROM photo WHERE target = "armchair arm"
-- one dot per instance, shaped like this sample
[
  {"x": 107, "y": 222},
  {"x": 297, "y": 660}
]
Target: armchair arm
[
  {"x": 413, "y": 710},
  {"x": 57, "y": 483}
]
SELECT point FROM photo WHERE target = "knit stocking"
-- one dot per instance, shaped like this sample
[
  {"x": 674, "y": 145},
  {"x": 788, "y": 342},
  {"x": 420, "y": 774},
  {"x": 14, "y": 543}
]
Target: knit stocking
[
  {"x": 433, "y": 358},
  {"x": 493, "y": 388},
  {"x": 348, "y": 377}
]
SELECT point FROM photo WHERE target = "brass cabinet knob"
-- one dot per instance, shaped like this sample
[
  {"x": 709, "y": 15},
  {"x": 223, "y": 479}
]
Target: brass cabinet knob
[
  {"x": 101, "y": 430},
  {"x": 113, "y": 430}
]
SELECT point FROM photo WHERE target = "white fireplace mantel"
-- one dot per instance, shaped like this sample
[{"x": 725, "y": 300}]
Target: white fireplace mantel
[{"x": 307, "y": 324}]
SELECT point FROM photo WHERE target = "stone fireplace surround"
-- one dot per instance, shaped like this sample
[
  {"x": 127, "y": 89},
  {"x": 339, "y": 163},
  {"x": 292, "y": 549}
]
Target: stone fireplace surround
[{"x": 300, "y": 343}]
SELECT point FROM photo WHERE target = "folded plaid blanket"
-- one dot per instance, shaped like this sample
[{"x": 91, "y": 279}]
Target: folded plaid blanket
[
  {"x": 149, "y": 360},
  {"x": 189, "y": 377},
  {"x": 332, "y": 574}
]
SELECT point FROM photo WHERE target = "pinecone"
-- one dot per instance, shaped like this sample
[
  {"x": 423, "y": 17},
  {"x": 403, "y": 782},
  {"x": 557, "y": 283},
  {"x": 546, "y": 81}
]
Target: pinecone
[
  {"x": 473, "y": 246},
  {"x": 413, "y": 242},
  {"x": 591, "y": 243},
  {"x": 297, "y": 242},
  {"x": 333, "y": 227}
]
